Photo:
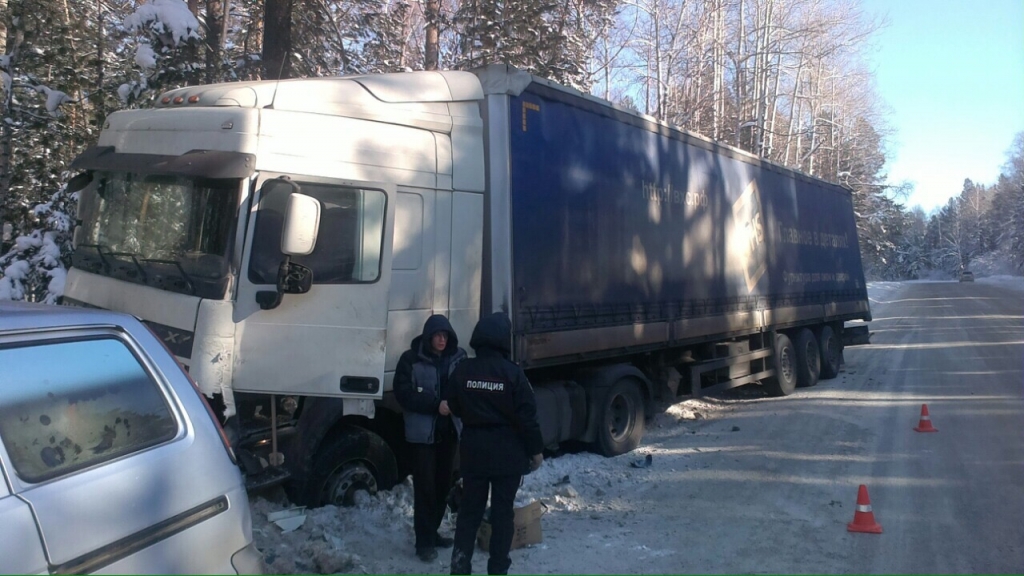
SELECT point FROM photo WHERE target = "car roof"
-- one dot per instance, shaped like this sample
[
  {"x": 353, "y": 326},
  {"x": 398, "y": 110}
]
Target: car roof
[{"x": 18, "y": 316}]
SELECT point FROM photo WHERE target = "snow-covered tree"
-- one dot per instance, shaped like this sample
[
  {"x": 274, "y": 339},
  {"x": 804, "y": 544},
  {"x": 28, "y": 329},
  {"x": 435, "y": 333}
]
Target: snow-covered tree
[
  {"x": 34, "y": 269},
  {"x": 42, "y": 127},
  {"x": 1004, "y": 221},
  {"x": 553, "y": 39},
  {"x": 167, "y": 40}
]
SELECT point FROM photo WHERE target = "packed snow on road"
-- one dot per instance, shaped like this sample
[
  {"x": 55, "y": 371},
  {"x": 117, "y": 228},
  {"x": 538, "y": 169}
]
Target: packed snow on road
[{"x": 736, "y": 482}]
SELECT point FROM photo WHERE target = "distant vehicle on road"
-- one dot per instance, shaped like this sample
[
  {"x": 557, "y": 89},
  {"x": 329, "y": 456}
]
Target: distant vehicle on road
[
  {"x": 109, "y": 458},
  {"x": 967, "y": 276}
]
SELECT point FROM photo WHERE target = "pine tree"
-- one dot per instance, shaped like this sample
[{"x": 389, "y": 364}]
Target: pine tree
[
  {"x": 34, "y": 268},
  {"x": 552, "y": 39},
  {"x": 167, "y": 46}
]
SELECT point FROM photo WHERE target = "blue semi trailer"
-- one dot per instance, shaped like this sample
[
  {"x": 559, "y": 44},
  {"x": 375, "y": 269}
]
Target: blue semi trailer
[
  {"x": 640, "y": 261},
  {"x": 288, "y": 239}
]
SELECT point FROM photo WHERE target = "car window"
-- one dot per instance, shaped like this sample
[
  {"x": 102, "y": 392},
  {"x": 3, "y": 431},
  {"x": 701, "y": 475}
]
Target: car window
[{"x": 66, "y": 405}]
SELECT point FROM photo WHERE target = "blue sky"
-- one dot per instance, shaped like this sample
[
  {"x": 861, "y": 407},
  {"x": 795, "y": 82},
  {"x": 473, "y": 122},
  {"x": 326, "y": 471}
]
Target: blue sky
[{"x": 952, "y": 72}]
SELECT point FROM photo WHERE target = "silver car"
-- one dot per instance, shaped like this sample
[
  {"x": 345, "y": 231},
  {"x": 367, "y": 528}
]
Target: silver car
[{"x": 111, "y": 461}]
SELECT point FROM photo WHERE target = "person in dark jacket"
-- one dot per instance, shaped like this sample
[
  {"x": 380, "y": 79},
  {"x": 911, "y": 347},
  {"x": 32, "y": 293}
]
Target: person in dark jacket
[
  {"x": 500, "y": 442},
  {"x": 421, "y": 381}
]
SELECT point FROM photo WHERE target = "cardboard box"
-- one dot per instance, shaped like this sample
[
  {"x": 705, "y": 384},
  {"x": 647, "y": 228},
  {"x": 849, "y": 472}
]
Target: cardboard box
[{"x": 527, "y": 527}]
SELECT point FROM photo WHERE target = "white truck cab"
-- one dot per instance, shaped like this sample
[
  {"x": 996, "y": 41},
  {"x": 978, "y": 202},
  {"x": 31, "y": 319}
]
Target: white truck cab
[{"x": 183, "y": 225}]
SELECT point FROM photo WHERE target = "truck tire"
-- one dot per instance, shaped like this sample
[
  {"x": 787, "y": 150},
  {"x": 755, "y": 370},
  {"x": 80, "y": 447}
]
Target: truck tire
[
  {"x": 784, "y": 381},
  {"x": 621, "y": 421},
  {"x": 350, "y": 460},
  {"x": 831, "y": 352},
  {"x": 808, "y": 359}
]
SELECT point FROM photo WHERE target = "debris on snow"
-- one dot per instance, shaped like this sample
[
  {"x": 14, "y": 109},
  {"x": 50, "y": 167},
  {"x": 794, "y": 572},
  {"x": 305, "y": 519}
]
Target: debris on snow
[
  {"x": 288, "y": 520},
  {"x": 644, "y": 462}
]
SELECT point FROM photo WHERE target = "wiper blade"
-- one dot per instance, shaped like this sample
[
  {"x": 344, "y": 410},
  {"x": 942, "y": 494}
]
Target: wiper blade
[
  {"x": 99, "y": 250},
  {"x": 142, "y": 271},
  {"x": 184, "y": 275}
]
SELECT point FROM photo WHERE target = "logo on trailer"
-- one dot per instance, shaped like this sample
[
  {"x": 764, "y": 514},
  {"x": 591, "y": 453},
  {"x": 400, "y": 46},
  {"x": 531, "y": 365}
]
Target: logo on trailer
[{"x": 747, "y": 245}]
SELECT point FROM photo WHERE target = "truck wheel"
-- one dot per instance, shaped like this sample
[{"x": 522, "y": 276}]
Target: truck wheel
[
  {"x": 784, "y": 381},
  {"x": 808, "y": 359},
  {"x": 622, "y": 419},
  {"x": 354, "y": 459},
  {"x": 831, "y": 353}
]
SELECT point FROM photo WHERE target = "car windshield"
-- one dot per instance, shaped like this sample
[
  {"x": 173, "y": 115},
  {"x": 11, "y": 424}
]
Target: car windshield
[{"x": 169, "y": 232}]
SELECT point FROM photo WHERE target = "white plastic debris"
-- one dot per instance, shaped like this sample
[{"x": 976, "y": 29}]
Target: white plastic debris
[{"x": 288, "y": 520}]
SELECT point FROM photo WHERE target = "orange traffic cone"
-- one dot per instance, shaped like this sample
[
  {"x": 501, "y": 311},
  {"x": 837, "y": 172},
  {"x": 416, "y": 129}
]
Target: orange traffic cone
[
  {"x": 925, "y": 425},
  {"x": 864, "y": 518}
]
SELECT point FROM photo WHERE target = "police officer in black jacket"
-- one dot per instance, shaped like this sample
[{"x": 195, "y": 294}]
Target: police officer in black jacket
[
  {"x": 422, "y": 379},
  {"x": 500, "y": 441}
]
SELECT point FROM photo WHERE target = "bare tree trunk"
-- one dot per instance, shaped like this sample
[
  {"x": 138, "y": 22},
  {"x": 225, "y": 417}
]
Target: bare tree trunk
[
  {"x": 658, "y": 112},
  {"x": 607, "y": 73},
  {"x": 216, "y": 25},
  {"x": 740, "y": 65},
  {"x": 837, "y": 129},
  {"x": 432, "y": 13},
  {"x": 277, "y": 39},
  {"x": 703, "y": 32},
  {"x": 12, "y": 41},
  {"x": 760, "y": 77},
  {"x": 776, "y": 90},
  {"x": 794, "y": 112},
  {"x": 98, "y": 98},
  {"x": 770, "y": 47},
  {"x": 718, "y": 62},
  {"x": 3, "y": 27},
  {"x": 252, "y": 40},
  {"x": 815, "y": 109},
  {"x": 216, "y": 21}
]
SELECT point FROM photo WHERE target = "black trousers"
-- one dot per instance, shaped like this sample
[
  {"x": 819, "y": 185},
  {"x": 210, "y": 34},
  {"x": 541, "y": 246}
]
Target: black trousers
[
  {"x": 432, "y": 480},
  {"x": 471, "y": 512}
]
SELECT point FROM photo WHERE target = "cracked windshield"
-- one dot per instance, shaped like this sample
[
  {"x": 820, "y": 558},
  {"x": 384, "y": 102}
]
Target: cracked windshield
[{"x": 165, "y": 231}]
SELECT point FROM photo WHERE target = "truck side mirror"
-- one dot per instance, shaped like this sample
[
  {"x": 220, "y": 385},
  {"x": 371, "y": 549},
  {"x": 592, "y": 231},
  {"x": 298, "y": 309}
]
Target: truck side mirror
[
  {"x": 292, "y": 278},
  {"x": 80, "y": 181},
  {"x": 86, "y": 186},
  {"x": 301, "y": 224},
  {"x": 298, "y": 238}
]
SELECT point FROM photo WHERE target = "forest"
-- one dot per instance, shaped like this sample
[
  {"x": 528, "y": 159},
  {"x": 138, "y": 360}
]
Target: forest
[{"x": 786, "y": 80}]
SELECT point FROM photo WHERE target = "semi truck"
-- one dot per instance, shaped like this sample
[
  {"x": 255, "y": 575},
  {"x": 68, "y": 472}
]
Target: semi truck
[{"x": 288, "y": 239}]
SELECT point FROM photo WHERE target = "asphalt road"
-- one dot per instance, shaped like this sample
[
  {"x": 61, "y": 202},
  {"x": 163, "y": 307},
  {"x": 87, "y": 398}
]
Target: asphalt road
[
  {"x": 951, "y": 501},
  {"x": 768, "y": 485}
]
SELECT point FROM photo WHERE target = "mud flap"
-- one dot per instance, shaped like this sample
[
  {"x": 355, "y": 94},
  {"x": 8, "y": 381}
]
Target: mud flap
[{"x": 856, "y": 335}]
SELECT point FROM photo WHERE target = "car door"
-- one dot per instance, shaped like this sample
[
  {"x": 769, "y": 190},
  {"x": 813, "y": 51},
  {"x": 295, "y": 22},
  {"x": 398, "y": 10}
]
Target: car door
[
  {"x": 21, "y": 551},
  {"x": 103, "y": 453}
]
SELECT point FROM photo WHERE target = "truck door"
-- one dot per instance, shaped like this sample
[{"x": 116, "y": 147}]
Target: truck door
[{"x": 331, "y": 340}]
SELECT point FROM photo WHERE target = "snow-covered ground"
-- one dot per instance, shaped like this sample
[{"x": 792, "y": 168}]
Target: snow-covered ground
[
  {"x": 376, "y": 535},
  {"x": 596, "y": 508},
  {"x": 1014, "y": 282}
]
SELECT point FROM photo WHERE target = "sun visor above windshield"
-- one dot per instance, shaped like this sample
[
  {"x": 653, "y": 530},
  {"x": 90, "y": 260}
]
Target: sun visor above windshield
[{"x": 196, "y": 163}]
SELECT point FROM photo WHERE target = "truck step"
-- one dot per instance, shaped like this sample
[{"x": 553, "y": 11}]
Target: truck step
[{"x": 270, "y": 476}]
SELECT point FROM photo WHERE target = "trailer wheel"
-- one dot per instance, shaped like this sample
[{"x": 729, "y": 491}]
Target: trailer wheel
[
  {"x": 808, "y": 359},
  {"x": 622, "y": 419},
  {"x": 784, "y": 381},
  {"x": 831, "y": 353},
  {"x": 351, "y": 460}
]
